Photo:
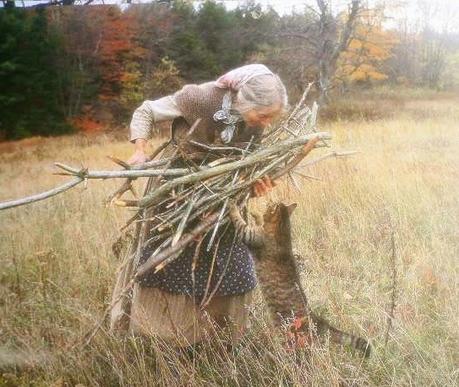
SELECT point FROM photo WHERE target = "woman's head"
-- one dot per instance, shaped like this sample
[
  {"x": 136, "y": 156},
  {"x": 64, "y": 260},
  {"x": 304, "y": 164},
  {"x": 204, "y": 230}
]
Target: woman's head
[
  {"x": 261, "y": 96},
  {"x": 261, "y": 100}
]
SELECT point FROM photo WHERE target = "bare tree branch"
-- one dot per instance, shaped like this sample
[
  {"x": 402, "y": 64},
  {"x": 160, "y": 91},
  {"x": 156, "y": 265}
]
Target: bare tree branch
[{"x": 41, "y": 196}]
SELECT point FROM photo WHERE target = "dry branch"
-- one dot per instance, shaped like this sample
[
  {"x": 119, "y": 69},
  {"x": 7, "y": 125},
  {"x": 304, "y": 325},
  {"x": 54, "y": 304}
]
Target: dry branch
[
  {"x": 86, "y": 174},
  {"x": 42, "y": 195},
  {"x": 154, "y": 261}
]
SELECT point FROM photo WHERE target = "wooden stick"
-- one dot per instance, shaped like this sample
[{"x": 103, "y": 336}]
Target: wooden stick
[
  {"x": 327, "y": 156},
  {"x": 161, "y": 162},
  {"x": 159, "y": 149},
  {"x": 307, "y": 177},
  {"x": 121, "y": 163},
  {"x": 301, "y": 102},
  {"x": 86, "y": 174},
  {"x": 182, "y": 223},
  {"x": 225, "y": 204},
  {"x": 127, "y": 185},
  {"x": 298, "y": 158},
  {"x": 217, "y": 148},
  {"x": 41, "y": 196},
  {"x": 154, "y": 261}
]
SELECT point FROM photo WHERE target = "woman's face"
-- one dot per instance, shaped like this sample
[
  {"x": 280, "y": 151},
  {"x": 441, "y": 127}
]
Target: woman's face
[{"x": 261, "y": 117}]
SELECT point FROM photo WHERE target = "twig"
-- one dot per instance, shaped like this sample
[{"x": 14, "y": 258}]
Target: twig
[
  {"x": 41, "y": 196},
  {"x": 225, "y": 204},
  {"x": 86, "y": 174},
  {"x": 327, "y": 156},
  {"x": 217, "y": 148},
  {"x": 159, "y": 149},
  {"x": 298, "y": 158},
  {"x": 182, "y": 223},
  {"x": 154, "y": 261},
  {"x": 301, "y": 102},
  {"x": 127, "y": 185},
  {"x": 393, "y": 263},
  {"x": 87, "y": 338},
  {"x": 204, "y": 301},
  {"x": 294, "y": 182},
  {"x": 121, "y": 163},
  {"x": 307, "y": 177},
  {"x": 212, "y": 266}
]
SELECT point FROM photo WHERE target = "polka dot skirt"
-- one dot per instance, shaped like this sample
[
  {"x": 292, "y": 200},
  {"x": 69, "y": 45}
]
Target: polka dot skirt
[{"x": 233, "y": 269}]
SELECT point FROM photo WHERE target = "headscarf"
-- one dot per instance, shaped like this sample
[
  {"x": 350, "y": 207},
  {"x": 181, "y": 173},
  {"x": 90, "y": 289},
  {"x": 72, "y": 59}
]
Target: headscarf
[
  {"x": 236, "y": 78},
  {"x": 260, "y": 91}
]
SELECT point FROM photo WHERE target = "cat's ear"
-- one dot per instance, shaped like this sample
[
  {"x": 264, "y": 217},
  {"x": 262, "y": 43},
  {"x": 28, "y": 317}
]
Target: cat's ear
[{"x": 291, "y": 208}]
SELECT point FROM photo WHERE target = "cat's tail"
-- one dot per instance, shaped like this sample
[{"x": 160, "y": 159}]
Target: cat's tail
[{"x": 340, "y": 337}]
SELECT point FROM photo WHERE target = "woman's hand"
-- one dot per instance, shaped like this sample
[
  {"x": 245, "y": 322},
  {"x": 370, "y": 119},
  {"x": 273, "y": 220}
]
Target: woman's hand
[
  {"x": 262, "y": 186},
  {"x": 140, "y": 154},
  {"x": 139, "y": 157}
]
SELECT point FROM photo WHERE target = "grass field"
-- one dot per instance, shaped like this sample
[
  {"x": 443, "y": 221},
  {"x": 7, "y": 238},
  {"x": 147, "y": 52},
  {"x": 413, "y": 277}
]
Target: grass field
[{"x": 57, "y": 268}]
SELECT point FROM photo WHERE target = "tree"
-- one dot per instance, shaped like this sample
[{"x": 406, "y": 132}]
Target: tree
[
  {"x": 28, "y": 96},
  {"x": 332, "y": 43},
  {"x": 154, "y": 25},
  {"x": 368, "y": 51},
  {"x": 420, "y": 57},
  {"x": 163, "y": 80},
  {"x": 78, "y": 31},
  {"x": 310, "y": 43},
  {"x": 186, "y": 47}
]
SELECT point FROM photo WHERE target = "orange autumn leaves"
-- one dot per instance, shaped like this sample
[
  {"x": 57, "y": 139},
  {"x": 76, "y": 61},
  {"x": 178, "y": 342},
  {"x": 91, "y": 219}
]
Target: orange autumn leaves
[
  {"x": 368, "y": 51},
  {"x": 118, "y": 51}
]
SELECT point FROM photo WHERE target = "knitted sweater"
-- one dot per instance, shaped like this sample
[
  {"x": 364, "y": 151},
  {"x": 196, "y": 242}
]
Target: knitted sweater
[
  {"x": 181, "y": 104},
  {"x": 228, "y": 266}
]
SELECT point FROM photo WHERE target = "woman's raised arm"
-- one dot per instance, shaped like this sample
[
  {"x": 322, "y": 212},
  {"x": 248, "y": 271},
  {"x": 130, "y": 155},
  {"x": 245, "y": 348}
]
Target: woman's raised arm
[{"x": 144, "y": 118}]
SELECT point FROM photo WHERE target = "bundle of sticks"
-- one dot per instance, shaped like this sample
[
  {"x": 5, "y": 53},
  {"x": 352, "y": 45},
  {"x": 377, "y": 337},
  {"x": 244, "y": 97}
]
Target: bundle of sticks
[{"x": 192, "y": 201}]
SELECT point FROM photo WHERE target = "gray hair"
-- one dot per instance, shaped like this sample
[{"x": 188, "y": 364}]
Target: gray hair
[{"x": 261, "y": 91}]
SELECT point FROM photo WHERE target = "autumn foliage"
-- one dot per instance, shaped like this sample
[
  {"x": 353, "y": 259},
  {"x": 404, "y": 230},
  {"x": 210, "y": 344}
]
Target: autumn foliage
[
  {"x": 369, "y": 49},
  {"x": 117, "y": 49},
  {"x": 88, "y": 68}
]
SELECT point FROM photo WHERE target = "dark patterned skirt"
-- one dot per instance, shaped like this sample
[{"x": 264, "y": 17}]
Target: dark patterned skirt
[{"x": 227, "y": 269}]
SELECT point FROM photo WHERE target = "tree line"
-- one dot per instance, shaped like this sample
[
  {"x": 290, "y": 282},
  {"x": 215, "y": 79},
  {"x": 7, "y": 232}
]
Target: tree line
[{"x": 64, "y": 68}]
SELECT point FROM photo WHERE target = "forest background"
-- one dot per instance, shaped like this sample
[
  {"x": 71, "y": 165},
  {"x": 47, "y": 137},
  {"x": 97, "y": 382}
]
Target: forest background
[{"x": 86, "y": 68}]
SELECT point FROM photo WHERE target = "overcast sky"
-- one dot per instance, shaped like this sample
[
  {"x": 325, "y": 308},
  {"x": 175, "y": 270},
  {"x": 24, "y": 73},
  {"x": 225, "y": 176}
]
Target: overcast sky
[{"x": 440, "y": 14}]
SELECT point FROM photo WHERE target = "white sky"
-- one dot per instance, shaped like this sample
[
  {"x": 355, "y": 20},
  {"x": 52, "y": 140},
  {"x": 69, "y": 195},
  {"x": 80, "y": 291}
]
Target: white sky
[{"x": 441, "y": 15}]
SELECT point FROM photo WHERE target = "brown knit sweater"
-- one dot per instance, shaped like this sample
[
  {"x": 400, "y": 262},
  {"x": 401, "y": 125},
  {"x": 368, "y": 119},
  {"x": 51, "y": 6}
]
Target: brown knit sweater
[{"x": 202, "y": 101}]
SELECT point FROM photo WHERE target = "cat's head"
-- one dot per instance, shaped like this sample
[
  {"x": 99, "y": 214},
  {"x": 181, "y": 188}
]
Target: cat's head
[{"x": 275, "y": 213}]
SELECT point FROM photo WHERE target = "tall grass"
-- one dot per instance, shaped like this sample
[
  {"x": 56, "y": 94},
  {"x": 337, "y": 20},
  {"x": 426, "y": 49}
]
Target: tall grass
[{"x": 58, "y": 268}]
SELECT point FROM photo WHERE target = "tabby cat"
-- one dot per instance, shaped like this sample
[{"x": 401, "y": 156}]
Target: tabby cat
[{"x": 270, "y": 242}]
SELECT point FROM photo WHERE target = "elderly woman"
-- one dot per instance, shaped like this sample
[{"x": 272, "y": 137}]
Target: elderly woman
[{"x": 177, "y": 304}]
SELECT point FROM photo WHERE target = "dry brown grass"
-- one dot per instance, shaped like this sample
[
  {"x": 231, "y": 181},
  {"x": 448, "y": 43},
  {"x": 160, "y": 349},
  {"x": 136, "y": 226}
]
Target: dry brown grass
[{"x": 58, "y": 269}]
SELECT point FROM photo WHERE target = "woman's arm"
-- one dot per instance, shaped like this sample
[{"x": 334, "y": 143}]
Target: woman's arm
[{"x": 143, "y": 119}]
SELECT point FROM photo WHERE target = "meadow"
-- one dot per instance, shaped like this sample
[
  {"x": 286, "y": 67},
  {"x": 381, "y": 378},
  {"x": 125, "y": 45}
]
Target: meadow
[{"x": 378, "y": 235}]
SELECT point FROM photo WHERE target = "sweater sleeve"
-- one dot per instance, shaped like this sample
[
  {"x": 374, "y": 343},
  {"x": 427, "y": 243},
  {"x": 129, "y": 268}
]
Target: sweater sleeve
[{"x": 151, "y": 112}]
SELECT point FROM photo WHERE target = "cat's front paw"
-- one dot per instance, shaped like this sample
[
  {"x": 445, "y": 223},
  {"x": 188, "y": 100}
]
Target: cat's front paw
[{"x": 233, "y": 210}]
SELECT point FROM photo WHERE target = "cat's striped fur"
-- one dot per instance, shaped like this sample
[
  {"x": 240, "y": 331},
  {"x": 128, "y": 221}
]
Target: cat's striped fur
[{"x": 277, "y": 272}]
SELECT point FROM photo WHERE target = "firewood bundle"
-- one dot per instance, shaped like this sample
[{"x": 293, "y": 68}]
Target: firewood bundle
[{"x": 192, "y": 201}]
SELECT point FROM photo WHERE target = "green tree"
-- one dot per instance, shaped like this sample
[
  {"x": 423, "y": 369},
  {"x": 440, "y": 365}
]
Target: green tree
[
  {"x": 164, "y": 79},
  {"x": 29, "y": 102},
  {"x": 186, "y": 48}
]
